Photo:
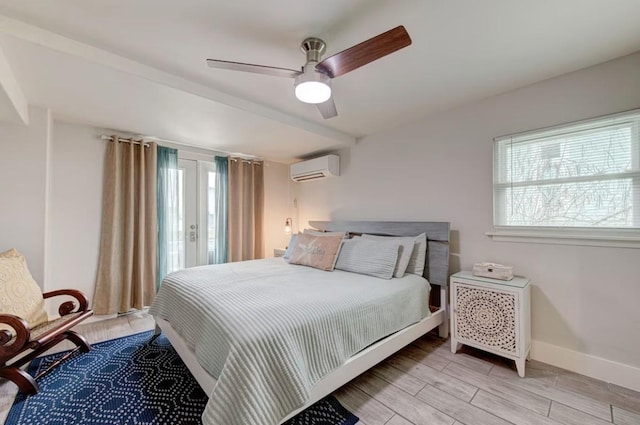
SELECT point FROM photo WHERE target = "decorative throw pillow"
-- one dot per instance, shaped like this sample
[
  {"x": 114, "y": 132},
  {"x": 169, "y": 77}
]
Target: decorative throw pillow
[
  {"x": 366, "y": 256},
  {"x": 404, "y": 254},
  {"x": 419, "y": 255},
  {"x": 316, "y": 251},
  {"x": 20, "y": 295}
]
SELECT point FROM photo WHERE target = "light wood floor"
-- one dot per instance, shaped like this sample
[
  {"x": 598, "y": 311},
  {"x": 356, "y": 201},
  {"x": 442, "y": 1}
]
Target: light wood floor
[{"x": 426, "y": 384}]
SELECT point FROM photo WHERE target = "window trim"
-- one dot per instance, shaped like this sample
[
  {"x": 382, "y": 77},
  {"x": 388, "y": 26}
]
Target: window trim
[
  {"x": 627, "y": 238},
  {"x": 569, "y": 235},
  {"x": 559, "y": 126}
]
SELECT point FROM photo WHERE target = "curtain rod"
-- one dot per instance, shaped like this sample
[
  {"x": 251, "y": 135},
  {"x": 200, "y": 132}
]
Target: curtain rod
[
  {"x": 126, "y": 140},
  {"x": 233, "y": 155},
  {"x": 246, "y": 161}
]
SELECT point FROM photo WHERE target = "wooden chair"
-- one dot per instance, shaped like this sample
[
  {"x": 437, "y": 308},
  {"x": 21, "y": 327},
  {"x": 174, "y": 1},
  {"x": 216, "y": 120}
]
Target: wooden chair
[{"x": 19, "y": 342}]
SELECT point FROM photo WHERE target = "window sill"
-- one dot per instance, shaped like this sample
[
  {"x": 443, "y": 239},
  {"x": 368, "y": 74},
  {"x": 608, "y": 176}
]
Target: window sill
[{"x": 567, "y": 237}]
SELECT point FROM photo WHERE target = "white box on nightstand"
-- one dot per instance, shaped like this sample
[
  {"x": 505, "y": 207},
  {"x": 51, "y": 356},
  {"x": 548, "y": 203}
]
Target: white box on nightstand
[{"x": 492, "y": 315}]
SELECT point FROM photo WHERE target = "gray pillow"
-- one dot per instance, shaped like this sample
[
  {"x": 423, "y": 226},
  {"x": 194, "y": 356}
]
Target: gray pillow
[
  {"x": 404, "y": 255},
  {"x": 419, "y": 255},
  {"x": 365, "y": 256}
]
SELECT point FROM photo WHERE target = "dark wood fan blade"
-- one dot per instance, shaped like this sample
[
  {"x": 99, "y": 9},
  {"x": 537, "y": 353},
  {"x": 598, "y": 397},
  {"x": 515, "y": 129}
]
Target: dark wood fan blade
[
  {"x": 328, "y": 108},
  {"x": 249, "y": 67},
  {"x": 365, "y": 52}
]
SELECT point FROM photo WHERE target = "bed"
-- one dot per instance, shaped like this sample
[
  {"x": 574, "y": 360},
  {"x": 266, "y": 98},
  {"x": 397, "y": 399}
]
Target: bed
[{"x": 266, "y": 377}]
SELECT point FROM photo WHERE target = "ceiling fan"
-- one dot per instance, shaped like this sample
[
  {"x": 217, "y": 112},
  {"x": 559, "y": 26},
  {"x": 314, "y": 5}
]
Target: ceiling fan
[{"x": 313, "y": 83}]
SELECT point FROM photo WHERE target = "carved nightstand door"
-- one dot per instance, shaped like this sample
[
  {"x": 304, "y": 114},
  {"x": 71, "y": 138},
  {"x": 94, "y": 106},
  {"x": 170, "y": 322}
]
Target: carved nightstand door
[{"x": 492, "y": 315}]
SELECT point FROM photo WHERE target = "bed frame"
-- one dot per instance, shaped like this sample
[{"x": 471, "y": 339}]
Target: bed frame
[{"x": 436, "y": 271}]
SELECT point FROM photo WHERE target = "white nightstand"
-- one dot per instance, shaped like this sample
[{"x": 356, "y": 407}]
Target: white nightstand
[
  {"x": 279, "y": 252},
  {"x": 492, "y": 315}
]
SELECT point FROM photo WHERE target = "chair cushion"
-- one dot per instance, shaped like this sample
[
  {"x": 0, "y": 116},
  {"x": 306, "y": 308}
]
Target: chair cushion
[
  {"x": 20, "y": 295},
  {"x": 38, "y": 331}
]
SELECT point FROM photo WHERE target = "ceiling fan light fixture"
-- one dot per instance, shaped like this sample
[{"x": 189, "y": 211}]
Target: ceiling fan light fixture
[
  {"x": 312, "y": 86},
  {"x": 313, "y": 83}
]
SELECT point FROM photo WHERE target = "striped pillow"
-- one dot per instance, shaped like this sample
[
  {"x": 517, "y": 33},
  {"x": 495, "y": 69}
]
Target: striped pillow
[
  {"x": 419, "y": 255},
  {"x": 365, "y": 256},
  {"x": 404, "y": 255}
]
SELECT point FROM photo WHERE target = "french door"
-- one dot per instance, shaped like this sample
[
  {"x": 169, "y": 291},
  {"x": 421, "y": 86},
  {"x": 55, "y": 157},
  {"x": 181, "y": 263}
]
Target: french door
[{"x": 196, "y": 212}]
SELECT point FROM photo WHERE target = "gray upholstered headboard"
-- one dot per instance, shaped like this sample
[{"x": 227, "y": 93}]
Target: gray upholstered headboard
[{"x": 436, "y": 268}]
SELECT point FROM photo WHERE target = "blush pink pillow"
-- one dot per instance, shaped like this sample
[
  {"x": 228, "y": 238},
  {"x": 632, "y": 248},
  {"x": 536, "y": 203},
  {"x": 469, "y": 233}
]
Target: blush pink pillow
[{"x": 319, "y": 252}]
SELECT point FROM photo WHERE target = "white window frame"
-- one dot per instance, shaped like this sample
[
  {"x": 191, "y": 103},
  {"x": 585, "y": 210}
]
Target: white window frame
[{"x": 613, "y": 237}]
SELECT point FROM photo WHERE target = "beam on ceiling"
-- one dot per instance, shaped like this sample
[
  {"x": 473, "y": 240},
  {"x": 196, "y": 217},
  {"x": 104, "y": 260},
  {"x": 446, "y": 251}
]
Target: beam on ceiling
[
  {"x": 14, "y": 106},
  {"x": 51, "y": 40}
]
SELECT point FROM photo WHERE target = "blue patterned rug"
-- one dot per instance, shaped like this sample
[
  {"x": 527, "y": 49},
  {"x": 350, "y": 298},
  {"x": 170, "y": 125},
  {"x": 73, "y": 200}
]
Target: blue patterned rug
[{"x": 129, "y": 381}]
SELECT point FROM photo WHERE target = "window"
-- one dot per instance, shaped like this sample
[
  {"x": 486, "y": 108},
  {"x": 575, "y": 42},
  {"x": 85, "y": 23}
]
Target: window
[{"x": 582, "y": 176}]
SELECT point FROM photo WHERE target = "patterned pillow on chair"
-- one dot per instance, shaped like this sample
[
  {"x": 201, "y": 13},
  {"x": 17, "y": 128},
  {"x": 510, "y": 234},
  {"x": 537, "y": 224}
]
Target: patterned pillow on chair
[{"x": 20, "y": 295}]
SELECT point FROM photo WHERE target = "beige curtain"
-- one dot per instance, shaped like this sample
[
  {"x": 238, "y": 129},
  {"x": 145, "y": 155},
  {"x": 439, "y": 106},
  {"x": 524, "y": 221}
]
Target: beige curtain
[
  {"x": 246, "y": 209},
  {"x": 127, "y": 267}
]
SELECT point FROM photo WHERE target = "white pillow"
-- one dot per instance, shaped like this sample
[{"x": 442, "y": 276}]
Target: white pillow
[
  {"x": 373, "y": 258},
  {"x": 292, "y": 244},
  {"x": 404, "y": 254},
  {"x": 419, "y": 255}
]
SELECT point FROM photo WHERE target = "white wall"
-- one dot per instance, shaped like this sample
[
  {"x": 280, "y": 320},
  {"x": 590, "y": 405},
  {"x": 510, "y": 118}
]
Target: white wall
[
  {"x": 276, "y": 211},
  {"x": 585, "y": 299},
  {"x": 75, "y": 207},
  {"x": 51, "y": 191},
  {"x": 23, "y": 182}
]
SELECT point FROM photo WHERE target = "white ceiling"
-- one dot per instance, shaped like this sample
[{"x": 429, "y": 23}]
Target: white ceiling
[{"x": 139, "y": 66}]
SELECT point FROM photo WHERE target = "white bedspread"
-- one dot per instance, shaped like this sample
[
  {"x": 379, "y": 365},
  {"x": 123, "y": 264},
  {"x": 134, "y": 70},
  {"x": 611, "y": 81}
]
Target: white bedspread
[{"x": 268, "y": 330}]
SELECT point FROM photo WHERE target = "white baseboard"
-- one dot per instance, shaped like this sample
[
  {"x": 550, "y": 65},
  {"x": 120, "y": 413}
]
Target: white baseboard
[
  {"x": 96, "y": 318},
  {"x": 585, "y": 364}
]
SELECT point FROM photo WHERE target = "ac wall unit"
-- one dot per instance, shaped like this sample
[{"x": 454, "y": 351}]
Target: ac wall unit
[{"x": 314, "y": 169}]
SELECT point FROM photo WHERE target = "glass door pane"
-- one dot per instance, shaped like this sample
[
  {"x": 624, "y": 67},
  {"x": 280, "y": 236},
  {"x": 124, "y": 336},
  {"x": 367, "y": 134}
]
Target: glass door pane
[
  {"x": 188, "y": 213},
  {"x": 211, "y": 216},
  {"x": 207, "y": 211},
  {"x": 175, "y": 242}
]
